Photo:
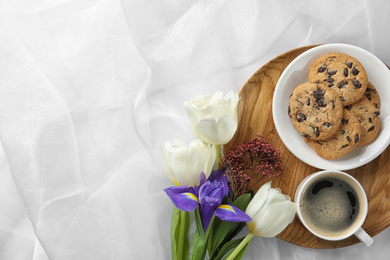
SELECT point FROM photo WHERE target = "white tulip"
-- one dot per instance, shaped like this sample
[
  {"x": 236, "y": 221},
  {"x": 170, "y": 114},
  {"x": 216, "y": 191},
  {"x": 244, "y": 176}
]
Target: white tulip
[
  {"x": 213, "y": 118},
  {"x": 271, "y": 212},
  {"x": 184, "y": 165}
]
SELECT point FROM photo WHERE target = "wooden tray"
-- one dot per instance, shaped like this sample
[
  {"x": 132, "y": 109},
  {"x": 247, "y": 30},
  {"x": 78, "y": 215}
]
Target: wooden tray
[{"x": 255, "y": 118}]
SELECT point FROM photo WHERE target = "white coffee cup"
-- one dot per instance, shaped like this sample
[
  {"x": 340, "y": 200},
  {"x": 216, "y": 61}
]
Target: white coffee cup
[{"x": 316, "y": 205}]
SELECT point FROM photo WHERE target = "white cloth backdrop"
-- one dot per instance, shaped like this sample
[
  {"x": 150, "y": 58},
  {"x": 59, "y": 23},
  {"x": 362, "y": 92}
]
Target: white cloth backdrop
[{"x": 90, "y": 89}]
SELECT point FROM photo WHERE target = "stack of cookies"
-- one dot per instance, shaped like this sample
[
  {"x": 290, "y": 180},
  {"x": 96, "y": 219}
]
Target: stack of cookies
[{"x": 338, "y": 108}]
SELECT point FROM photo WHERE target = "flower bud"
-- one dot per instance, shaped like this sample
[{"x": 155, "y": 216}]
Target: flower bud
[
  {"x": 184, "y": 164},
  {"x": 213, "y": 118},
  {"x": 271, "y": 212}
]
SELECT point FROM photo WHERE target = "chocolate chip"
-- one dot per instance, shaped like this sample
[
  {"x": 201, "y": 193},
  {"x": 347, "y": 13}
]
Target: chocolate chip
[
  {"x": 289, "y": 110},
  {"x": 370, "y": 120},
  {"x": 344, "y": 146},
  {"x": 348, "y": 138},
  {"x": 348, "y": 107},
  {"x": 330, "y": 80},
  {"x": 318, "y": 93},
  {"x": 349, "y": 64},
  {"x": 301, "y": 117},
  {"x": 291, "y": 95},
  {"x": 356, "y": 83},
  {"x": 322, "y": 68},
  {"x": 361, "y": 108},
  {"x": 308, "y": 102},
  {"x": 327, "y": 124},
  {"x": 305, "y": 135},
  {"x": 316, "y": 132},
  {"x": 331, "y": 85},
  {"x": 346, "y": 72},
  {"x": 356, "y": 138},
  {"x": 344, "y": 121},
  {"x": 332, "y": 72},
  {"x": 333, "y": 105},
  {"x": 377, "y": 113},
  {"x": 321, "y": 102},
  {"x": 371, "y": 128},
  {"x": 355, "y": 71},
  {"x": 342, "y": 131},
  {"x": 342, "y": 84},
  {"x": 342, "y": 98}
]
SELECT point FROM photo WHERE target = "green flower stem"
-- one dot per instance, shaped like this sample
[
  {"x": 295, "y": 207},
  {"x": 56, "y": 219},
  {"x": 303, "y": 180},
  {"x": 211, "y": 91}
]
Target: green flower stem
[
  {"x": 240, "y": 246},
  {"x": 219, "y": 153},
  {"x": 180, "y": 246},
  {"x": 199, "y": 246}
]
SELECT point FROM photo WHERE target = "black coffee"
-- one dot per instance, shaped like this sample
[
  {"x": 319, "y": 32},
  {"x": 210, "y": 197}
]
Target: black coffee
[{"x": 330, "y": 206}]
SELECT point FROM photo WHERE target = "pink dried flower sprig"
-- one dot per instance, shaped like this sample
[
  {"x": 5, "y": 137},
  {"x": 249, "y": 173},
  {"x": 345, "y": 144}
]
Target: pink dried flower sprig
[{"x": 247, "y": 164}]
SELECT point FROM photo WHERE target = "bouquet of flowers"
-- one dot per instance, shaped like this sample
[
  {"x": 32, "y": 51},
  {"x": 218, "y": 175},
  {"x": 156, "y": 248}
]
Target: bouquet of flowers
[{"x": 218, "y": 189}]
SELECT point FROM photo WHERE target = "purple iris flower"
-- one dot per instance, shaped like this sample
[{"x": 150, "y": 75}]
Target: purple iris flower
[{"x": 208, "y": 196}]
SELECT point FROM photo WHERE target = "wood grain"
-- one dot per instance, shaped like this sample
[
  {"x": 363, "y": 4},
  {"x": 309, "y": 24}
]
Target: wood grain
[{"x": 255, "y": 118}]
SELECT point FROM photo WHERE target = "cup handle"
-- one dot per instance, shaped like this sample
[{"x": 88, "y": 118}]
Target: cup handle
[{"x": 364, "y": 237}]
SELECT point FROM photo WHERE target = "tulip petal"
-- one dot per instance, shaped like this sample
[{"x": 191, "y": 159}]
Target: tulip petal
[
  {"x": 272, "y": 199},
  {"x": 183, "y": 197},
  {"x": 211, "y": 157},
  {"x": 213, "y": 118},
  {"x": 232, "y": 98},
  {"x": 258, "y": 200},
  {"x": 187, "y": 165},
  {"x": 194, "y": 114},
  {"x": 275, "y": 219},
  {"x": 216, "y": 97},
  {"x": 217, "y": 132},
  {"x": 231, "y": 213},
  {"x": 167, "y": 151}
]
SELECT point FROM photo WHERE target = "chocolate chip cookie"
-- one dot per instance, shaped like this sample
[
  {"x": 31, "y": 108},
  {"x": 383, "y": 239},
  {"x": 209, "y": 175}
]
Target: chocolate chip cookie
[
  {"x": 342, "y": 142},
  {"x": 315, "y": 110},
  {"x": 342, "y": 73},
  {"x": 367, "y": 114},
  {"x": 373, "y": 95}
]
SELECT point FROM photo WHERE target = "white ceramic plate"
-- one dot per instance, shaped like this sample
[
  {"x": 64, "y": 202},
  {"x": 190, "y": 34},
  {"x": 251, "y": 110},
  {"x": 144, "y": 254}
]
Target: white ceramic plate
[{"x": 296, "y": 73}]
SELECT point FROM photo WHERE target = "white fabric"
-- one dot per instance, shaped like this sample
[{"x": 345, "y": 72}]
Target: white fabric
[{"x": 90, "y": 89}]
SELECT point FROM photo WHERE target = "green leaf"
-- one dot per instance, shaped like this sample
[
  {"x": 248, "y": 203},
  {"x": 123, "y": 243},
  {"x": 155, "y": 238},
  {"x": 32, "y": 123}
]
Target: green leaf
[
  {"x": 238, "y": 252},
  {"x": 186, "y": 241},
  {"x": 199, "y": 245},
  {"x": 223, "y": 231},
  {"x": 241, "y": 253},
  {"x": 180, "y": 244},
  {"x": 175, "y": 226},
  {"x": 227, "y": 247}
]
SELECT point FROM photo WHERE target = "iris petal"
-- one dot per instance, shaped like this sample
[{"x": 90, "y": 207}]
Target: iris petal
[
  {"x": 207, "y": 209},
  {"x": 202, "y": 179},
  {"x": 219, "y": 176},
  {"x": 231, "y": 213},
  {"x": 183, "y": 197}
]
